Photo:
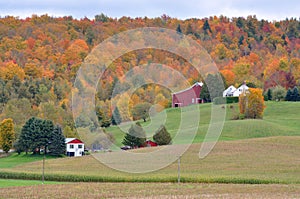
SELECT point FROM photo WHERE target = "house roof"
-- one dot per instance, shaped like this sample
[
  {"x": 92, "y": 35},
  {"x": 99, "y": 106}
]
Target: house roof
[
  {"x": 72, "y": 140},
  {"x": 230, "y": 89},
  {"x": 196, "y": 84}
]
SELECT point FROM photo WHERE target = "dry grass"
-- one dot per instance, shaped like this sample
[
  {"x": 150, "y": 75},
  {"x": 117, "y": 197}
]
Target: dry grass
[
  {"x": 151, "y": 190},
  {"x": 263, "y": 160}
]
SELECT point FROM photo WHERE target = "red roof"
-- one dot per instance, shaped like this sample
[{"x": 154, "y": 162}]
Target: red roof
[{"x": 74, "y": 141}]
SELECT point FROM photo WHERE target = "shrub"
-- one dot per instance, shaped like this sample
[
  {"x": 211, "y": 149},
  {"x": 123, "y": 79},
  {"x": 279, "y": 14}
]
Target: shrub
[
  {"x": 227, "y": 100},
  {"x": 162, "y": 136}
]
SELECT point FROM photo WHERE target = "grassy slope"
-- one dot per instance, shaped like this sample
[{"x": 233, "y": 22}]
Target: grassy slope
[
  {"x": 272, "y": 159},
  {"x": 15, "y": 159},
  {"x": 280, "y": 119},
  {"x": 259, "y": 160},
  {"x": 17, "y": 183}
]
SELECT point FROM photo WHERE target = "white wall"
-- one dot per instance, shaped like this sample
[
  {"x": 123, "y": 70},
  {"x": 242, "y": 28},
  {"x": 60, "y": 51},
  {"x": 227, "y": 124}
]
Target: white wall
[{"x": 77, "y": 151}]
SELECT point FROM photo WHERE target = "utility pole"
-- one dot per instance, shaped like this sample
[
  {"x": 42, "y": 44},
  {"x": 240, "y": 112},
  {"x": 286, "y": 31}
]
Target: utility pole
[
  {"x": 178, "y": 170},
  {"x": 43, "y": 175}
]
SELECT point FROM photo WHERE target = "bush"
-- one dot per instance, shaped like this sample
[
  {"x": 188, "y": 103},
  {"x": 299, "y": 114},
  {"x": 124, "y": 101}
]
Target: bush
[
  {"x": 227, "y": 100},
  {"x": 162, "y": 136}
]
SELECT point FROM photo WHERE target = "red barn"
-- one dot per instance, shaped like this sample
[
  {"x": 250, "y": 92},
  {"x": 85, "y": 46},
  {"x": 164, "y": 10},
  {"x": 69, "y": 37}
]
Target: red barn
[{"x": 188, "y": 96}]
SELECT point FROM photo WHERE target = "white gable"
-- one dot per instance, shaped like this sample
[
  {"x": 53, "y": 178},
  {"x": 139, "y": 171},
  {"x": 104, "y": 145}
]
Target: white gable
[
  {"x": 67, "y": 140},
  {"x": 229, "y": 91},
  {"x": 240, "y": 90}
]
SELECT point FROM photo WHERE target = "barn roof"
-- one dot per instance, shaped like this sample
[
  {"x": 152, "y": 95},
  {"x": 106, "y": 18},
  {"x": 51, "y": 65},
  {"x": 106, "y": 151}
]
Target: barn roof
[{"x": 196, "y": 84}]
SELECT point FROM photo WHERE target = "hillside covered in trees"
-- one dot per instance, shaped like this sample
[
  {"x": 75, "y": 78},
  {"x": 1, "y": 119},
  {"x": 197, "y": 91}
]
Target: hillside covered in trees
[{"x": 40, "y": 55}]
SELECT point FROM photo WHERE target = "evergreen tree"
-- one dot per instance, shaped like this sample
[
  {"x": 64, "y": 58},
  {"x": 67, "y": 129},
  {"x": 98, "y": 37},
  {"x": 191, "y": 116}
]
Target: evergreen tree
[
  {"x": 295, "y": 95},
  {"x": 135, "y": 137},
  {"x": 116, "y": 117},
  {"x": 57, "y": 144},
  {"x": 25, "y": 140},
  {"x": 162, "y": 136},
  {"x": 38, "y": 133},
  {"x": 178, "y": 29},
  {"x": 105, "y": 122},
  {"x": 269, "y": 94},
  {"x": 289, "y": 95},
  {"x": 206, "y": 27},
  {"x": 7, "y": 134}
]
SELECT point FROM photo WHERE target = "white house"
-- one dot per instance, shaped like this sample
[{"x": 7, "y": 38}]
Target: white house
[
  {"x": 75, "y": 147},
  {"x": 229, "y": 91},
  {"x": 240, "y": 90}
]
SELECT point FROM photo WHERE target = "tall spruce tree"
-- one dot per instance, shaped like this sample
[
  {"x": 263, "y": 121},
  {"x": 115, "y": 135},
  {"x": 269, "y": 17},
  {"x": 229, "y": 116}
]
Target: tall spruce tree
[
  {"x": 295, "y": 95},
  {"x": 116, "y": 117},
  {"x": 289, "y": 95},
  {"x": 135, "y": 137},
  {"x": 25, "y": 139},
  {"x": 39, "y": 134},
  {"x": 57, "y": 144}
]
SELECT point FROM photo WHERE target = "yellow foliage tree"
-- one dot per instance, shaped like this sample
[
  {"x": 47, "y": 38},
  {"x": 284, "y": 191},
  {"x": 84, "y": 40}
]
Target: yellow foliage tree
[
  {"x": 252, "y": 104},
  {"x": 10, "y": 69},
  {"x": 7, "y": 134}
]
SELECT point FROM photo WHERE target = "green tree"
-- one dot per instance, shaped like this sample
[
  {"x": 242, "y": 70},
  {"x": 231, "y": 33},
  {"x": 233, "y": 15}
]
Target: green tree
[
  {"x": 57, "y": 144},
  {"x": 36, "y": 134},
  {"x": 289, "y": 95},
  {"x": 279, "y": 93},
  {"x": 162, "y": 136},
  {"x": 178, "y": 29},
  {"x": 116, "y": 117},
  {"x": 269, "y": 94},
  {"x": 68, "y": 133},
  {"x": 135, "y": 137},
  {"x": 105, "y": 122},
  {"x": 206, "y": 27},
  {"x": 295, "y": 95},
  {"x": 141, "y": 111},
  {"x": 101, "y": 18},
  {"x": 215, "y": 89},
  {"x": 25, "y": 139},
  {"x": 7, "y": 134}
]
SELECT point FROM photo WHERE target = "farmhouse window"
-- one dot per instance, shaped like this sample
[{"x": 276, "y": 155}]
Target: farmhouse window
[
  {"x": 80, "y": 146},
  {"x": 71, "y": 146}
]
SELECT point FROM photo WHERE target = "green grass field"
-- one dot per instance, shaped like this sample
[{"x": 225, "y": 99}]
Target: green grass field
[
  {"x": 280, "y": 119},
  {"x": 249, "y": 151},
  {"x": 17, "y": 183},
  {"x": 259, "y": 160},
  {"x": 15, "y": 159}
]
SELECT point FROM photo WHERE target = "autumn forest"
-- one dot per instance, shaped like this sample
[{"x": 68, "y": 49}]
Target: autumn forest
[{"x": 40, "y": 56}]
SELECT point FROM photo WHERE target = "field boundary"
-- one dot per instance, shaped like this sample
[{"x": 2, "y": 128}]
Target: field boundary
[{"x": 80, "y": 178}]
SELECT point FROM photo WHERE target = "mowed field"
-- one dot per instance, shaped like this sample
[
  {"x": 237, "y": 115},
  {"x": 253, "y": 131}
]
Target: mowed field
[
  {"x": 258, "y": 160},
  {"x": 280, "y": 119},
  {"x": 151, "y": 190},
  {"x": 253, "y": 159}
]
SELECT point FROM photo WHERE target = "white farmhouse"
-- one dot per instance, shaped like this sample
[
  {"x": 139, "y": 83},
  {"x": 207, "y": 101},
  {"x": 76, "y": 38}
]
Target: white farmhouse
[
  {"x": 229, "y": 91},
  {"x": 75, "y": 147},
  {"x": 240, "y": 90}
]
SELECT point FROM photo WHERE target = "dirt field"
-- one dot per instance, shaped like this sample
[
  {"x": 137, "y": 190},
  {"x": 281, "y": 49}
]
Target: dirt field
[{"x": 151, "y": 190}]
